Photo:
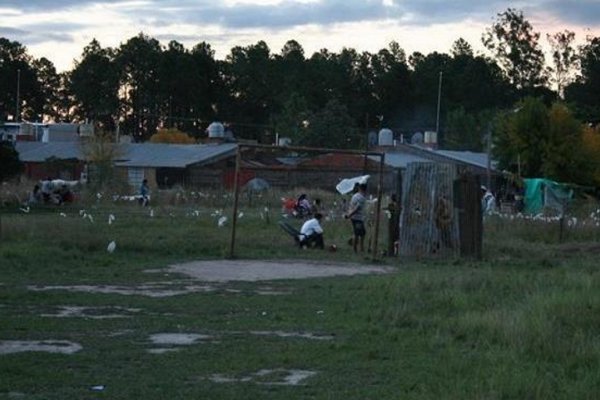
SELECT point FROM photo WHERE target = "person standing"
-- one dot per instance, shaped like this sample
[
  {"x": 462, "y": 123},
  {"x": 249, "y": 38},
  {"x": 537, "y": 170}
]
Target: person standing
[
  {"x": 312, "y": 232},
  {"x": 394, "y": 225},
  {"x": 144, "y": 193},
  {"x": 356, "y": 213}
]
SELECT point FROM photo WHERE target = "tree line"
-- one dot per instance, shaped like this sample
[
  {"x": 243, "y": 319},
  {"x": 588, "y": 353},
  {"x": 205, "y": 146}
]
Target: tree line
[{"x": 325, "y": 99}]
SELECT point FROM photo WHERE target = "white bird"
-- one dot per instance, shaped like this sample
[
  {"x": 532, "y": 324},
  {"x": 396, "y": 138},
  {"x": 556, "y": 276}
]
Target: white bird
[
  {"x": 111, "y": 247},
  {"x": 241, "y": 214},
  {"x": 111, "y": 218},
  {"x": 151, "y": 213},
  {"x": 25, "y": 209},
  {"x": 63, "y": 215},
  {"x": 222, "y": 221},
  {"x": 98, "y": 196}
]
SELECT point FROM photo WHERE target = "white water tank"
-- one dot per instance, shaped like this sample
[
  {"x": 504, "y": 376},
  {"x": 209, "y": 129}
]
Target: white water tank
[
  {"x": 386, "y": 137},
  {"x": 284, "y": 141},
  {"x": 430, "y": 137},
  {"x": 216, "y": 130}
]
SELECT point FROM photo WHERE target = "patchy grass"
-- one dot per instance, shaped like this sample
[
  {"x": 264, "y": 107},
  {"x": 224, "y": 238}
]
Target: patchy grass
[{"x": 521, "y": 323}]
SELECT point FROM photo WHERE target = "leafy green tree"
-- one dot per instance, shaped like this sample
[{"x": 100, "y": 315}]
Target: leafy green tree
[
  {"x": 9, "y": 159},
  {"x": 426, "y": 79},
  {"x": 290, "y": 74},
  {"x": 248, "y": 78},
  {"x": 292, "y": 119},
  {"x": 464, "y": 130},
  {"x": 541, "y": 141},
  {"x": 94, "y": 84},
  {"x": 392, "y": 87},
  {"x": 585, "y": 91},
  {"x": 18, "y": 74},
  {"x": 49, "y": 86},
  {"x": 330, "y": 127},
  {"x": 564, "y": 147},
  {"x": 210, "y": 93},
  {"x": 461, "y": 47},
  {"x": 516, "y": 47},
  {"x": 171, "y": 135},
  {"x": 564, "y": 58},
  {"x": 520, "y": 137},
  {"x": 138, "y": 61}
]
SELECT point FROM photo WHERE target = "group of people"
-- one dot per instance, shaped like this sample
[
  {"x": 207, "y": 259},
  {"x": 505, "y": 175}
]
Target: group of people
[
  {"x": 311, "y": 233},
  {"x": 52, "y": 191}
]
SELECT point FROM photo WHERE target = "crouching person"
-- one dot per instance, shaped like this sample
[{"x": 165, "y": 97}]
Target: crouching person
[{"x": 311, "y": 233}]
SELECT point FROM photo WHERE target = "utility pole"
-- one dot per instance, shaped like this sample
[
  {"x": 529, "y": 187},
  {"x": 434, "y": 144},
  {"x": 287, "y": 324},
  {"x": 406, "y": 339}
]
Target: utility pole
[{"x": 18, "y": 95}]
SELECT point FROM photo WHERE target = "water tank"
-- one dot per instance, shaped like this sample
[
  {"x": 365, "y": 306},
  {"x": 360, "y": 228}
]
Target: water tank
[
  {"x": 416, "y": 138},
  {"x": 284, "y": 141},
  {"x": 216, "y": 130},
  {"x": 386, "y": 137},
  {"x": 430, "y": 137}
]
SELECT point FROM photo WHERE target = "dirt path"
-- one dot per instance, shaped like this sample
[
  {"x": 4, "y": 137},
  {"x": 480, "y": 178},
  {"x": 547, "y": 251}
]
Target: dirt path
[{"x": 260, "y": 270}]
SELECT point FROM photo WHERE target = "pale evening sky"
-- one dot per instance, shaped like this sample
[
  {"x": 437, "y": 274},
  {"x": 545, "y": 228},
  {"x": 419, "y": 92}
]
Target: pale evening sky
[{"x": 59, "y": 29}]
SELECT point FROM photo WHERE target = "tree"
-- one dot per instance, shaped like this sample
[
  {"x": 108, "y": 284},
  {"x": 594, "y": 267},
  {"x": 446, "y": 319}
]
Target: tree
[
  {"x": 461, "y": 47},
  {"x": 249, "y": 80},
  {"x": 101, "y": 152},
  {"x": 591, "y": 153},
  {"x": 9, "y": 159},
  {"x": 563, "y": 147},
  {"x": 464, "y": 130},
  {"x": 426, "y": 79},
  {"x": 564, "y": 59},
  {"x": 18, "y": 74},
  {"x": 516, "y": 48},
  {"x": 138, "y": 61},
  {"x": 171, "y": 135},
  {"x": 94, "y": 83},
  {"x": 391, "y": 85},
  {"x": 330, "y": 127},
  {"x": 541, "y": 141},
  {"x": 291, "y": 121},
  {"x": 585, "y": 91}
]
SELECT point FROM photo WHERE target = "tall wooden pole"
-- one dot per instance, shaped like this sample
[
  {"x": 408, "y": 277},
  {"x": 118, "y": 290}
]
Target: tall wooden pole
[
  {"x": 379, "y": 200},
  {"x": 236, "y": 195}
]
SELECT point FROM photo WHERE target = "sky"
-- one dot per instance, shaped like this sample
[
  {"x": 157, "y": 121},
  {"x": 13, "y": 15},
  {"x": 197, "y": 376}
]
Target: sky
[{"x": 60, "y": 29}]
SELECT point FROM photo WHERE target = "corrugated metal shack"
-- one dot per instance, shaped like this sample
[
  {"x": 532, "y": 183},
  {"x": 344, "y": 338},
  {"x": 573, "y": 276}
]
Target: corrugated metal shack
[{"x": 429, "y": 219}]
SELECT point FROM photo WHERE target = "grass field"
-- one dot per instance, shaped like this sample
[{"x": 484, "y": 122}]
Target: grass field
[{"x": 524, "y": 322}]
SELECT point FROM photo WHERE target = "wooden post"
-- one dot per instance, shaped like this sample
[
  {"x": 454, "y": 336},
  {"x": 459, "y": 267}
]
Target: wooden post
[
  {"x": 379, "y": 199},
  {"x": 236, "y": 195}
]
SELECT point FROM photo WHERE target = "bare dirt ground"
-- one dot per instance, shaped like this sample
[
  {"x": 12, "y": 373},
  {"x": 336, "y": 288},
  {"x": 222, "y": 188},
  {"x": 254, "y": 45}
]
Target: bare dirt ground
[{"x": 260, "y": 270}]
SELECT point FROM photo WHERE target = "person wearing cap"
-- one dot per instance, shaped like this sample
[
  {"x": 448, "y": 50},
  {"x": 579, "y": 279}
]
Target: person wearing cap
[{"x": 311, "y": 233}]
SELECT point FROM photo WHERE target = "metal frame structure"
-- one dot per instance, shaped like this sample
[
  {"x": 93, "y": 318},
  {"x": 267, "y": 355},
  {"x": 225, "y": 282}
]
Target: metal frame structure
[{"x": 236, "y": 188}]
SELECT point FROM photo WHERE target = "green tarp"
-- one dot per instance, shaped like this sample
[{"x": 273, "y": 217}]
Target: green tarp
[{"x": 543, "y": 193}]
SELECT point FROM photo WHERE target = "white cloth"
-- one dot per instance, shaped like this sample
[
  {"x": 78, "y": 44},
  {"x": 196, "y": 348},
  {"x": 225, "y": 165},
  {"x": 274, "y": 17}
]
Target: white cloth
[
  {"x": 489, "y": 202},
  {"x": 309, "y": 227}
]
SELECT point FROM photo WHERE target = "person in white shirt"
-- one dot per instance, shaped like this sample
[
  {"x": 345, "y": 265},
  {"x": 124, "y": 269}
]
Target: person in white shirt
[{"x": 311, "y": 233}]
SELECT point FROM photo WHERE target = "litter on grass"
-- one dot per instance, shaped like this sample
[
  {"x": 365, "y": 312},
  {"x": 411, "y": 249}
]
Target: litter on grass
[
  {"x": 47, "y": 346},
  {"x": 270, "y": 377}
]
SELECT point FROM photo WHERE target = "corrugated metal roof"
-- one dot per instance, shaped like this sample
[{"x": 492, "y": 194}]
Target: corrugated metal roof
[
  {"x": 467, "y": 157},
  {"x": 173, "y": 155},
  {"x": 399, "y": 160},
  {"x": 40, "y": 152},
  {"x": 132, "y": 154}
]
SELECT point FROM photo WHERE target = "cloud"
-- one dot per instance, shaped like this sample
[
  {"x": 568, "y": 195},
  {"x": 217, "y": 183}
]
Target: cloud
[
  {"x": 51, "y": 5},
  {"x": 32, "y": 37},
  {"x": 585, "y": 12}
]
